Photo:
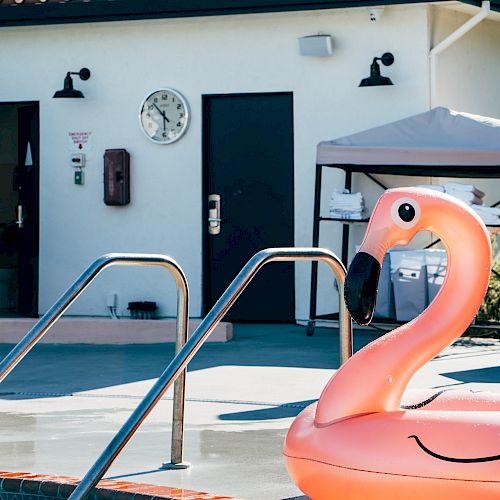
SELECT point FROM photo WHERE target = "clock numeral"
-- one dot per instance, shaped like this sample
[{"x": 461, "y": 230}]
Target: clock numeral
[
  {"x": 179, "y": 106},
  {"x": 165, "y": 134},
  {"x": 150, "y": 107},
  {"x": 179, "y": 124},
  {"x": 164, "y": 97},
  {"x": 155, "y": 99}
]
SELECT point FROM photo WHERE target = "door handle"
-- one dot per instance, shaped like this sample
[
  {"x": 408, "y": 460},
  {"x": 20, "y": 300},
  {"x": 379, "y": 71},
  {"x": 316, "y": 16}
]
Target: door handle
[
  {"x": 214, "y": 218},
  {"x": 20, "y": 217}
]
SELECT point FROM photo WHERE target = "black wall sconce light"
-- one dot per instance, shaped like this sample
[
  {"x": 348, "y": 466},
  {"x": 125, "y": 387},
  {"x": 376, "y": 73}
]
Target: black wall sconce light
[
  {"x": 68, "y": 91},
  {"x": 375, "y": 79}
]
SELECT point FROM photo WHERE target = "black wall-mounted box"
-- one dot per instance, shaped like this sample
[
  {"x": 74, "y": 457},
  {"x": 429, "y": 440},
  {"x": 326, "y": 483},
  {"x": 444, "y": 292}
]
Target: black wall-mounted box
[{"x": 116, "y": 177}]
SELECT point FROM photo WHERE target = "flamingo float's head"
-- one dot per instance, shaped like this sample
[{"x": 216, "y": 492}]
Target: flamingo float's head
[{"x": 398, "y": 215}]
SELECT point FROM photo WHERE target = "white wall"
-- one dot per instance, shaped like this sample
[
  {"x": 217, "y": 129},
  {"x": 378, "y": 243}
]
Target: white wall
[
  {"x": 252, "y": 53},
  {"x": 468, "y": 71}
]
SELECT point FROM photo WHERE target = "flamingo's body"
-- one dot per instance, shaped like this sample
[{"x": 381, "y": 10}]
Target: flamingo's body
[
  {"x": 450, "y": 400},
  {"x": 357, "y": 443},
  {"x": 372, "y": 457}
]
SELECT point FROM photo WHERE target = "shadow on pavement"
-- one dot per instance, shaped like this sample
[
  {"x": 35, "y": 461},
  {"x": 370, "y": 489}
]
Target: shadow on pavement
[
  {"x": 66, "y": 369},
  {"x": 283, "y": 411},
  {"x": 485, "y": 375}
]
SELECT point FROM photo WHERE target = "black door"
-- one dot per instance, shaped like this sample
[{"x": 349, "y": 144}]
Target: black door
[
  {"x": 26, "y": 182},
  {"x": 248, "y": 161}
]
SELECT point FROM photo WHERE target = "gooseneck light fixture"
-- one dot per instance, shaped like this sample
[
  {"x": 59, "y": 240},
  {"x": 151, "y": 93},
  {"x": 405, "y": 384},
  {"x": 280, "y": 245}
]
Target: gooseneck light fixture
[
  {"x": 68, "y": 91},
  {"x": 375, "y": 78}
]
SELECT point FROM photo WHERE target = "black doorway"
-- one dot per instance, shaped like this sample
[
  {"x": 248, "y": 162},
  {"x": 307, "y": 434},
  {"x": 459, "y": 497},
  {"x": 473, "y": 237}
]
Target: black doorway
[
  {"x": 248, "y": 160},
  {"x": 19, "y": 208}
]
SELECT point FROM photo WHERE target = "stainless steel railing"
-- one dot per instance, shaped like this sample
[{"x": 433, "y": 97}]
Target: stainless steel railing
[
  {"x": 75, "y": 290},
  {"x": 206, "y": 327}
]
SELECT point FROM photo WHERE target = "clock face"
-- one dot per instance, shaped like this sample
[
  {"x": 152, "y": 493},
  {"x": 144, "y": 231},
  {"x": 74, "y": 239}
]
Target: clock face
[{"x": 164, "y": 116}]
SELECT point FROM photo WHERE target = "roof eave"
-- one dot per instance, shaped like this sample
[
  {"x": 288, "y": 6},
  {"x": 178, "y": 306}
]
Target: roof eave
[{"x": 120, "y": 10}]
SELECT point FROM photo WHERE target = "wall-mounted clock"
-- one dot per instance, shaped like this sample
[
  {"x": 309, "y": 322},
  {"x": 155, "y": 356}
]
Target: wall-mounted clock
[{"x": 164, "y": 116}]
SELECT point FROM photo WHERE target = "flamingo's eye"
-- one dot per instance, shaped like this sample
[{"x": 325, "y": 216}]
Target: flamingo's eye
[{"x": 406, "y": 212}]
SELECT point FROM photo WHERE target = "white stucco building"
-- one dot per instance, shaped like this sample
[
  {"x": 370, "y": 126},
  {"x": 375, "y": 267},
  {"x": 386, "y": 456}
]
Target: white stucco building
[{"x": 248, "y": 50}]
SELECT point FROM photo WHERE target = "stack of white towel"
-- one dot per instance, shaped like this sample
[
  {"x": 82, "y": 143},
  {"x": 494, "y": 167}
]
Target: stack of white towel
[
  {"x": 344, "y": 205},
  {"x": 468, "y": 193},
  {"x": 490, "y": 215},
  {"x": 471, "y": 195}
]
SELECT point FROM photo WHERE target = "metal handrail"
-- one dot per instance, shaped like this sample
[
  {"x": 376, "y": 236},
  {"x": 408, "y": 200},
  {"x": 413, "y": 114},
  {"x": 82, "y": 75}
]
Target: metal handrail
[
  {"x": 42, "y": 326},
  {"x": 205, "y": 328}
]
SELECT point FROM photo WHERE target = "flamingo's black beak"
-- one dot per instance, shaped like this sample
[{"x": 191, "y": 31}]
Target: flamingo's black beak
[{"x": 361, "y": 287}]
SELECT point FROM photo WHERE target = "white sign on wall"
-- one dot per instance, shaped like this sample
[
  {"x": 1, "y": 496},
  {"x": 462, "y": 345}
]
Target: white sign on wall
[{"x": 80, "y": 142}]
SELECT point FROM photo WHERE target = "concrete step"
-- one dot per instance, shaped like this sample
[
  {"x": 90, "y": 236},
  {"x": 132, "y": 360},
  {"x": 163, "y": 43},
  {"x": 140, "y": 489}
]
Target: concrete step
[{"x": 85, "y": 330}]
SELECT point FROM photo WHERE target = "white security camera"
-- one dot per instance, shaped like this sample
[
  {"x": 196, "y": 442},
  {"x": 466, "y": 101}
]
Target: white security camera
[{"x": 375, "y": 13}]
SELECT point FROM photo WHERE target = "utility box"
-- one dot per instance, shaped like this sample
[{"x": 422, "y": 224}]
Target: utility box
[
  {"x": 116, "y": 177},
  {"x": 436, "y": 263},
  {"x": 316, "y": 45},
  {"x": 409, "y": 278},
  {"x": 385, "y": 307}
]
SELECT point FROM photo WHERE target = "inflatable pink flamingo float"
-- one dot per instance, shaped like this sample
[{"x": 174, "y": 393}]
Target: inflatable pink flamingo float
[{"x": 356, "y": 442}]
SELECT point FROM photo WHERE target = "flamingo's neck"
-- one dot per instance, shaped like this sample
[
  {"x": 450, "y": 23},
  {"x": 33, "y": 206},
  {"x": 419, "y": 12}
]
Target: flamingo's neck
[{"x": 374, "y": 379}]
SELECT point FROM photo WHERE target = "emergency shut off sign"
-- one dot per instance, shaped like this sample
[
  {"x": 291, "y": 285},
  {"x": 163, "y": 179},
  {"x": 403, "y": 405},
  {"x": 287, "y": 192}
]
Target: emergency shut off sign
[{"x": 80, "y": 142}]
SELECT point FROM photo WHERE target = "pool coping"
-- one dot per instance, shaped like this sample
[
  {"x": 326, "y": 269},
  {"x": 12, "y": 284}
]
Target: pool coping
[{"x": 60, "y": 487}]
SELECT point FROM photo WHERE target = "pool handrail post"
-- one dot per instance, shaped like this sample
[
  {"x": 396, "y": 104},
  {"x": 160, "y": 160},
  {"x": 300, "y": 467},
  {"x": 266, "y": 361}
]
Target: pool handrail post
[
  {"x": 177, "y": 444},
  {"x": 43, "y": 325},
  {"x": 202, "y": 332}
]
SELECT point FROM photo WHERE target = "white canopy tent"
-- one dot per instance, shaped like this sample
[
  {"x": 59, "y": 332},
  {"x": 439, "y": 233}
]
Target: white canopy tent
[
  {"x": 437, "y": 143},
  {"x": 439, "y": 138}
]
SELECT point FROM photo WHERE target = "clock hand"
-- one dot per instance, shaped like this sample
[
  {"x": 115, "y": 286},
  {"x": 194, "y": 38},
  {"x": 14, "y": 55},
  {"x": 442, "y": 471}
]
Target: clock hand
[
  {"x": 164, "y": 121},
  {"x": 162, "y": 113}
]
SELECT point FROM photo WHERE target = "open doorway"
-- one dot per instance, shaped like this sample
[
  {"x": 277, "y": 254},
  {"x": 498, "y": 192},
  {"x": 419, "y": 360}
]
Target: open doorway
[{"x": 19, "y": 208}]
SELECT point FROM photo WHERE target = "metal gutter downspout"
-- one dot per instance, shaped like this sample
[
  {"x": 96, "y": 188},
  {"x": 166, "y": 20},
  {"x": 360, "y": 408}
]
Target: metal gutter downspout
[{"x": 444, "y": 44}]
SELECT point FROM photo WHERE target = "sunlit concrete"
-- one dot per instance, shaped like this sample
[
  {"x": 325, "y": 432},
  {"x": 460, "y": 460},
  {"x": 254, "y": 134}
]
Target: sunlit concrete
[{"x": 62, "y": 405}]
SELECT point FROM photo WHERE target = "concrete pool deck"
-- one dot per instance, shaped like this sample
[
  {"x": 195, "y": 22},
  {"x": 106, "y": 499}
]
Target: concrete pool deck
[{"x": 61, "y": 406}]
